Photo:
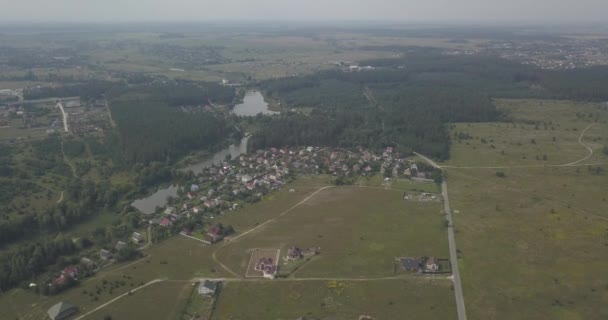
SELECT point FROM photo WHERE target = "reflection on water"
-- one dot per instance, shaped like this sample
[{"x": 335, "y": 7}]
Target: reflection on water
[{"x": 253, "y": 103}]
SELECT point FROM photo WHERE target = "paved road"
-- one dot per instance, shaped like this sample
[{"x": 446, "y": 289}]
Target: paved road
[{"x": 460, "y": 307}]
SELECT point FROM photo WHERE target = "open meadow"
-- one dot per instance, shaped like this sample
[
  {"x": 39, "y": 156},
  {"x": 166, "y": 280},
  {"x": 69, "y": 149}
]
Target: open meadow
[
  {"x": 420, "y": 298},
  {"x": 543, "y": 132},
  {"x": 532, "y": 239},
  {"x": 360, "y": 231}
]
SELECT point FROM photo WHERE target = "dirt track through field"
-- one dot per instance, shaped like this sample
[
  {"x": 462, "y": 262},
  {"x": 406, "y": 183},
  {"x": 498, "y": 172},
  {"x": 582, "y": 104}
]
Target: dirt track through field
[
  {"x": 225, "y": 267},
  {"x": 117, "y": 298},
  {"x": 571, "y": 164}
]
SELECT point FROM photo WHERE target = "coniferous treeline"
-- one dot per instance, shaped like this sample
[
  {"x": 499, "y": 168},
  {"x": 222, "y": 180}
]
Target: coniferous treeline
[
  {"x": 153, "y": 131},
  {"x": 25, "y": 262},
  {"x": 407, "y": 102},
  {"x": 403, "y": 102}
]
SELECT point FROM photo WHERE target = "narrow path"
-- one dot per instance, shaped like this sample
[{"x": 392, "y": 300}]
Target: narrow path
[
  {"x": 67, "y": 161},
  {"x": 117, "y": 298},
  {"x": 225, "y": 267},
  {"x": 580, "y": 141},
  {"x": 60, "y": 198},
  {"x": 571, "y": 164},
  {"x": 149, "y": 237},
  {"x": 193, "y": 238},
  {"x": 460, "y": 306},
  {"x": 109, "y": 113}
]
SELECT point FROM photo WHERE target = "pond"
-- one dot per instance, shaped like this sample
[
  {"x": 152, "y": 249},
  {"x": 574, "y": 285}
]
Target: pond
[
  {"x": 253, "y": 103},
  {"x": 158, "y": 199}
]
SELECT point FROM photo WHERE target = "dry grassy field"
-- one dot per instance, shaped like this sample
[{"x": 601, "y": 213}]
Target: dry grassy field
[
  {"x": 542, "y": 133},
  {"x": 532, "y": 243},
  {"x": 360, "y": 231},
  {"x": 341, "y": 300}
]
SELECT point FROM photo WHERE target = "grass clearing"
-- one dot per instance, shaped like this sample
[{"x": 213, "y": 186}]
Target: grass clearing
[
  {"x": 544, "y": 132},
  {"x": 532, "y": 244},
  {"x": 360, "y": 232},
  {"x": 163, "y": 300},
  {"x": 391, "y": 299}
]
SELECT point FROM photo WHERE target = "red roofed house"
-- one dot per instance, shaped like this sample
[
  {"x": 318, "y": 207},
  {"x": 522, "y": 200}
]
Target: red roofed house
[
  {"x": 215, "y": 233},
  {"x": 68, "y": 272},
  {"x": 165, "y": 222}
]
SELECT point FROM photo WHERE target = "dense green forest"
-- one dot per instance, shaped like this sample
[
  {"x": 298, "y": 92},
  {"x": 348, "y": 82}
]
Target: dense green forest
[
  {"x": 404, "y": 103},
  {"x": 407, "y": 102},
  {"x": 152, "y": 127}
]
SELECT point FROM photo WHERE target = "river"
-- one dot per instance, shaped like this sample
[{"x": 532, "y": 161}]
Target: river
[
  {"x": 159, "y": 198},
  {"x": 253, "y": 104}
]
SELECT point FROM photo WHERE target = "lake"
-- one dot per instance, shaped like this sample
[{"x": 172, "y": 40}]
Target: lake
[
  {"x": 159, "y": 198},
  {"x": 253, "y": 104}
]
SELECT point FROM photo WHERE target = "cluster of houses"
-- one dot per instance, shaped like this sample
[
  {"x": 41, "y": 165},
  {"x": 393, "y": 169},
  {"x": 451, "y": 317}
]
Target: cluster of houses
[
  {"x": 422, "y": 264},
  {"x": 106, "y": 255},
  {"x": 248, "y": 177}
]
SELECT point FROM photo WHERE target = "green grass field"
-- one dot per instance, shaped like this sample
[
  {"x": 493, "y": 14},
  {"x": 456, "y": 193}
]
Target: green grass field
[
  {"x": 420, "y": 298},
  {"x": 532, "y": 244},
  {"x": 541, "y": 128},
  {"x": 345, "y": 222},
  {"x": 360, "y": 231},
  {"x": 163, "y": 300}
]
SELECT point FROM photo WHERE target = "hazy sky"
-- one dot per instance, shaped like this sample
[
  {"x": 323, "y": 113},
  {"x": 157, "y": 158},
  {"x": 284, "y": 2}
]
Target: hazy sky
[{"x": 393, "y": 10}]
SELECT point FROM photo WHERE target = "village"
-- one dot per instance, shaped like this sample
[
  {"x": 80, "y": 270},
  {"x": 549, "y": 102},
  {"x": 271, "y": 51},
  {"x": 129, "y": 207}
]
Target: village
[{"x": 246, "y": 179}]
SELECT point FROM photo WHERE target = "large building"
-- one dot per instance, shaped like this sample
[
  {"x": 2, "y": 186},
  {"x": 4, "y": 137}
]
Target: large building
[{"x": 62, "y": 310}]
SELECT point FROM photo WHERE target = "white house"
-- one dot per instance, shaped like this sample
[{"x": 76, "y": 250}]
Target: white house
[{"x": 207, "y": 288}]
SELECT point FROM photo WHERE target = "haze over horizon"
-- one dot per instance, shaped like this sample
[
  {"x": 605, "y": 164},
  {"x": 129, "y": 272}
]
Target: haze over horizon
[{"x": 491, "y": 11}]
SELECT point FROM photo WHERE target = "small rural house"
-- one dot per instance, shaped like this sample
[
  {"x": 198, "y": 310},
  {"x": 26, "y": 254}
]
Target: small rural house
[
  {"x": 105, "y": 254},
  {"x": 164, "y": 222},
  {"x": 432, "y": 264},
  {"x": 267, "y": 267},
  {"x": 207, "y": 288},
  {"x": 137, "y": 237},
  {"x": 120, "y": 245}
]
